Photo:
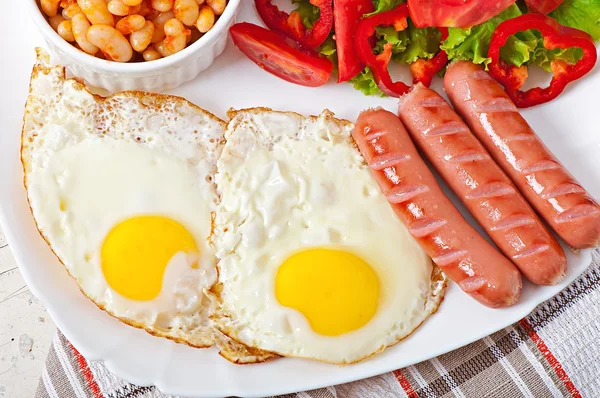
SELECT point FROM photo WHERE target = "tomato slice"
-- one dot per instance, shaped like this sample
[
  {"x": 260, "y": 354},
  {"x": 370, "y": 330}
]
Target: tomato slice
[
  {"x": 346, "y": 16},
  {"x": 454, "y": 13},
  {"x": 281, "y": 56},
  {"x": 543, "y": 6}
]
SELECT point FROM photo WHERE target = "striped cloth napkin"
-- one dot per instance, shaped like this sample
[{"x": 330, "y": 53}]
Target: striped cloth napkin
[{"x": 554, "y": 352}]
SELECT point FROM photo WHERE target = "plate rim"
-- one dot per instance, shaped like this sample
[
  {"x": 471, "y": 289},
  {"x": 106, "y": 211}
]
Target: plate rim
[
  {"x": 19, "y": 248},
  {"x": 111, "y": 364}
]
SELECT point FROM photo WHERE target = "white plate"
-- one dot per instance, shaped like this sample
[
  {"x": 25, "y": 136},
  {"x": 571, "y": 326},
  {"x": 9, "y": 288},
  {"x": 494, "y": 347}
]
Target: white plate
[{"x": 568, "y": 126}]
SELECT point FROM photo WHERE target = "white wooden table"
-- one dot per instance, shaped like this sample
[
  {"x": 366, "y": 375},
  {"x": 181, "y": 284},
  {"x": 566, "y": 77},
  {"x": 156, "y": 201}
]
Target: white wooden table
[{"x": 26, "y": 331}]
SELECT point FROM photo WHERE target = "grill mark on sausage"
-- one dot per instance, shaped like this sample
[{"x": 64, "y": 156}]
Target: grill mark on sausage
[
  {"x": 521, "y": 137},
  {"x": 562, "y": 189},
  {"x": 380, "y": 162},
  {"x": 432, "y": 102},
  {"x": 479, "y": 75},
  {"x": 514, "y": 221},
  {"x": 375, "y": 134},
  {"x": 472, "y": 284},
  {"x": 449, "y": 257},
  {"x": 467, "y": 156},
  {"x": 531, "y": 250},
  {"x": 403, "y": 193},
  {"x": 576, "y": 212},
  {"x": 425, "y": 226},
  {"x": 542, "y": 165},
  {"x": 491, "y": 190},
  {"x": 498, "y": 104},
  {"x": 449, "y": 128}
]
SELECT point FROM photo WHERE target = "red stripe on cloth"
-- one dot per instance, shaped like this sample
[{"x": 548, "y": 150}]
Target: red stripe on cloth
[
  {"x": 405, "y": 384},
  {"x": 87, "y": 372},
  {"x": 541, "y": 345}
]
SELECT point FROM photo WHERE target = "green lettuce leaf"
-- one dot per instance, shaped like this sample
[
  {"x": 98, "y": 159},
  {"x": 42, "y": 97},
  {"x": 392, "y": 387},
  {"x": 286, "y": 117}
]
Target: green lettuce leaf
[
  {"x": 409, "y": 44},
  {"x": 580, "y": 14},
  {"x": 307, "y": 11},
  {"x": 329, "y": 50},
  {"x": 472, "y": 44},
  {"x": 365, "y": 82},
  {"x": 543, "y": 57},
  {"x": 523, "y": 48},
  {"x": 384, "y": 5},
  {"x": 388, "y": 34}
]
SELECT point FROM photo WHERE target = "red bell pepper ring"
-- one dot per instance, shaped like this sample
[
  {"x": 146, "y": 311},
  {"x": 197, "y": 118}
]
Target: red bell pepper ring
[
  {"x": 555, "y": 36},
  {"x": 379, "y": 63},
  {"x": 423, "y": 70},
  {"x": 291, "y": 25}
]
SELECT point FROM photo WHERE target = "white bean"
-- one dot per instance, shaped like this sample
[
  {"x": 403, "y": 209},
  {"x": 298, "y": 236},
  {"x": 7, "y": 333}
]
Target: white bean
[
  {"x": 218, "y": 6},
  {"x": 71, "y": 10},
  {"x": 111, "y": 42},
  {"x": 159, "y": 25},
  {"x": 150, "y": 54},
  {"x": 177, "y": 35},
  {"x": 65, "y": 30},
  {"x": 173, "y": 27},
  {"x": 130, "y": 24},
  {"x": 49, "y": 7},
  {"x": 206, "y": 19},
  {"x": 80, "y": 26},
  {"x": 175, "y": 43},
  {"x": 97, "y": 12},
  {"x": 142, "y": 38},
  {"x": 162, "y": 49},
  {"x": 186, "y": 11},
  {"x": 55, "y": 21},
  {"x": 162, "y": 5},
  {"x": 116, "y": 7}
]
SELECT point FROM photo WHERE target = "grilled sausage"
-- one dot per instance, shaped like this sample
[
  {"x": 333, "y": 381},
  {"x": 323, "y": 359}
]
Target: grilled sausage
[
  {"x": 482, "y": 186},
  {"x": 559, "y": 199},
  {"x": 468, "y": 259}
]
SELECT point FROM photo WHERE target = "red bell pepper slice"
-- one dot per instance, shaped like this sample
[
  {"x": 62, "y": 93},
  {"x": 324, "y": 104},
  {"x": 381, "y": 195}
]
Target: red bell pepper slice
[
  {"x": 555, "y": 36},
  {"x": 347, "y": 14},
  {"x": 379, "y": 63},
  {"x": 543, "y": 6},
  {"x": 291, "y": 25},
  {"x": 423, "y": 70}
]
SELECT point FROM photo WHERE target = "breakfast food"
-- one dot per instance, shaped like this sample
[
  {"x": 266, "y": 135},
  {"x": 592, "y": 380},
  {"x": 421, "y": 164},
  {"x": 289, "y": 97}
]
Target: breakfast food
[
  {"x": 312, "y": 262},
  {"x": 362, "y": 37},
  {"x": 556, "y": 38},
  {"x": 121, "y": 189},
  {"x": 272, "y": 52},
  {"x": 446, "y": 141},
  {"x": 559, "y": 199},
  {"x": 132, "y": 30},
  {"x": 468, "y": 259}
]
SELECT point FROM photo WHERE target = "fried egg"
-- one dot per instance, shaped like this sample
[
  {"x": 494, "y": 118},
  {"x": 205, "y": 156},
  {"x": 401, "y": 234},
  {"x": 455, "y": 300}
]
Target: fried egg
[
  {"x": 122, "y": 190},
  {"x": 313, "y": 262}
]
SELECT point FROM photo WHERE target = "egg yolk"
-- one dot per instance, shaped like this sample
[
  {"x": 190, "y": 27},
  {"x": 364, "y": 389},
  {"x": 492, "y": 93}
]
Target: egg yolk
[
  {"x": 136, "y": 252},
  {"x": 335, "y": 290}
]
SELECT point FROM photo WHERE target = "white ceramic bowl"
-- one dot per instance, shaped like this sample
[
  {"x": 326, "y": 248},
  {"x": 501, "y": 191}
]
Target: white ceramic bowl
[{"x": 163, "y": 74}]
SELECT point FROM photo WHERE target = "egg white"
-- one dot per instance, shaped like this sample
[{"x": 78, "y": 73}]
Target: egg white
[
  {"x": 92, "y": 162},
  {"x": 287, "y": 184}
]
